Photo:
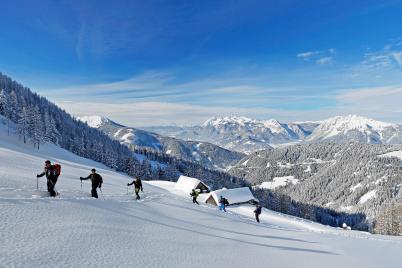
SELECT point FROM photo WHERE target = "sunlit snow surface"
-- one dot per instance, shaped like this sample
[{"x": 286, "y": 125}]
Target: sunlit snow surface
[{"x": 163, "y": 229}]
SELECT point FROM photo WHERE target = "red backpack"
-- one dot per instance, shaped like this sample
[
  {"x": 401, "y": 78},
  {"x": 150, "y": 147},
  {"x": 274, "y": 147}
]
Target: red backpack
[{"x": 57, "y": 169}]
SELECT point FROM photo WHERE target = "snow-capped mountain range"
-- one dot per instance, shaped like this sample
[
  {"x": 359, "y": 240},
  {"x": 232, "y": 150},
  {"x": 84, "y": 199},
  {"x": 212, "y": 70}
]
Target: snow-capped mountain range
[
  {"x": 248, "y": 135},
  {"x": 239, "y": 133},
  {"x": 207, "y": 154}
]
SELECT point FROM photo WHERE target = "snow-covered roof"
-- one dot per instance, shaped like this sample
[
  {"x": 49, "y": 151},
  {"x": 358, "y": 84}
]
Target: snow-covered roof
[
  {"x": 234, "y": 196},
  {"x": 186, "y": 184}
]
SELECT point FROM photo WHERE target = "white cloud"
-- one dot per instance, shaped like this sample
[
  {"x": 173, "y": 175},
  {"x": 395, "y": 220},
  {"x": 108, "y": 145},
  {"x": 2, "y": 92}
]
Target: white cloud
[
  {"x": 307, "y": 55},
  {"x": 382, "y": 103},
  {"x": 378, "y": 102},
  {"x": 397, "y": 55},
  {"x": 377, "y": 60},
  {"x": 321, "y": 57},
  {"x": 324, "y": 60},
  {"x": 165, "y": 87},
  {"x": 388, "y": 57},
  {"x": 145, "y": 81}
]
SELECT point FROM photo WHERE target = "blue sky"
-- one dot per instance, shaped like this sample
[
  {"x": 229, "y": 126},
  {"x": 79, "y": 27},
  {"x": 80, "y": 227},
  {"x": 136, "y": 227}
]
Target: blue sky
[{"x": 180, "y": 62}]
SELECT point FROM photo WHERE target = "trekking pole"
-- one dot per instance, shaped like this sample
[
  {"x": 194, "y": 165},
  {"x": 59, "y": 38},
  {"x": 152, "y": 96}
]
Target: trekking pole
[{"x": 102, "y": 194}]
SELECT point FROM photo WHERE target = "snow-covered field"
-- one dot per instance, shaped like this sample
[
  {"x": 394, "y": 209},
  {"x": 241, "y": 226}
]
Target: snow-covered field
[
  {"x": 164, "y": 229},
  {"x": 278, "y": 181}
]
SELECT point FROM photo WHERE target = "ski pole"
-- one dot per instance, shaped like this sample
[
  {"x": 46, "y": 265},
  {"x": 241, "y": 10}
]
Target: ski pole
[
  {"x": 102, "y": 194},
  {"x": 127, "y": 189},
  {"x": 37, "y": 183},
  {"x": 81, "y": 185}
]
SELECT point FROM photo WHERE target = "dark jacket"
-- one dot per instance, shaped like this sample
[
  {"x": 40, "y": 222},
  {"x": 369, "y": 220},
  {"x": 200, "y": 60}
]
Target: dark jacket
[
  {"x": 224, "y": 201},
  {"x": 96, "y": 180},
  {"x": 258, "y": 210},
  {"x": 51, "y": 174},
  {"x": 194, "y": 194},
  {"x": 137, "y": 184}
]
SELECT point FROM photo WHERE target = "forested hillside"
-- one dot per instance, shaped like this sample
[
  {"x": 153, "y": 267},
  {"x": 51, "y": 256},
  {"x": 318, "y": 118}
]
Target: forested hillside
[{"x": 346, "y": 178}]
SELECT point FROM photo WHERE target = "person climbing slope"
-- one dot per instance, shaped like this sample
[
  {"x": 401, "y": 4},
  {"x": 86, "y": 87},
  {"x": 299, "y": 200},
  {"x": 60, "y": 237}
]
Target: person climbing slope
[
  {"x": 257, "y": 212},
  {"x": 223, "y": 202},
  {"x": 52, "y": 173},
  {"x": 96, "y": 180},
  {"x": 194, "y": 194},
  {"x": 137, "y": 187}
]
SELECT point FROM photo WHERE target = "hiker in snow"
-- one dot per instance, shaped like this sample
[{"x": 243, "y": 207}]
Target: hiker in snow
[
  {"x": 96, "y": 180},
  {"x": 257, "y": 212},
  {"x": 52, "y": 173},
  {"x": 222, "y": 204},
  {"x": 194, "y": 194},
  {"x": 137, "y": 187}
]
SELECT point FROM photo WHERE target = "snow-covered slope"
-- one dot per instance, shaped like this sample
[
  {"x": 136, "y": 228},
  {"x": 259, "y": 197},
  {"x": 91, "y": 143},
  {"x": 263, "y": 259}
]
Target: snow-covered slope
[
  {"x": 207, "y": 154},
  {"x": 353, "y": 128},
  {"x": 164, "y": 229}
]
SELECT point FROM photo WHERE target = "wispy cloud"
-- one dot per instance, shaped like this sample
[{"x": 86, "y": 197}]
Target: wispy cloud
[
  {"x": 164, "y": 113},
  {"x": 377, "y": 102},
  {"x": 320, "y": 57},
  {"x": 324, "y": 60},
  {"x": 228, "y": 91},
  {"x": 390, "y": 56},
  {"x": 397, "y": 55},
  {"x": 307, "y": 55},
  {"x": 382, "y": 103}
]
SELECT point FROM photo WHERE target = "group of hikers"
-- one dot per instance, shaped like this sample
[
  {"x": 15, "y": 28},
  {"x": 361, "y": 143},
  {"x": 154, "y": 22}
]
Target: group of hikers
[
  {"x": 52, "y": 173},
  {"x": 223, "y": 202}
]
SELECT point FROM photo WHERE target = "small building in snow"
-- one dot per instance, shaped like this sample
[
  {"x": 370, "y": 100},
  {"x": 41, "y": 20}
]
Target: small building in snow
[
  {"x": 187, "y": 184},
  {"x": 234, "y": 196}
]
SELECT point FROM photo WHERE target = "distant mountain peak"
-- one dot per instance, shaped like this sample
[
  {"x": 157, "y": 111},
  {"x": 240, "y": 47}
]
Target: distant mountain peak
[
  {"x": 356, "y": 128},
  {"x": 238, "y": 120},
  {"x": 96, "y": 121},
  {"x": 356, "y": 121}
]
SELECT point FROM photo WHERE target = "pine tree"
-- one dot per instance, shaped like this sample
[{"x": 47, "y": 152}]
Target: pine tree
[
  {"x": 22, "y": 125},
  {"x": 51, "y": 134},
  {"x": 5, "y": 109},
  {"x": 3, "y": 103},
  {"x": 14, "y": 108},
  {"x": 36, "y": 127}
]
